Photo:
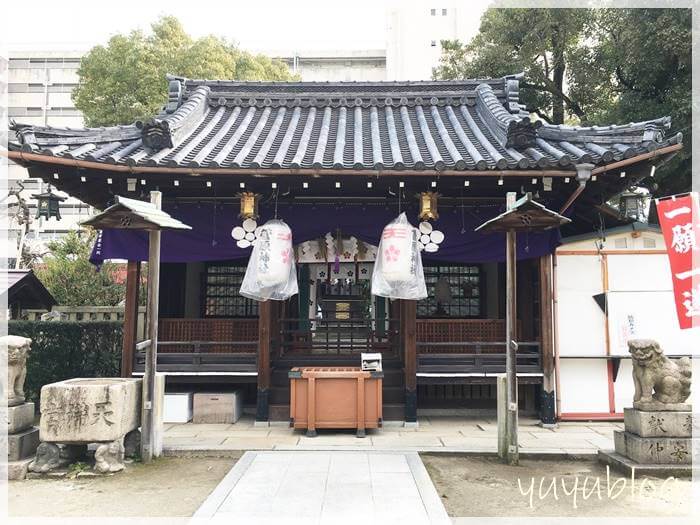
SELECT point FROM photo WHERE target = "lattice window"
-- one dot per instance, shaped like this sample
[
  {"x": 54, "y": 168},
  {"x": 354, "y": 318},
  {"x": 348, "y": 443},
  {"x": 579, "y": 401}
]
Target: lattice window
[
  {"x": 221, "y": 297},
  {"x": 464, "y": 299}
]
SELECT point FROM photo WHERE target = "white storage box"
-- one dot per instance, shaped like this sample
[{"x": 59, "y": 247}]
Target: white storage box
[
  {"x": 177, "y": 407},
  {"x": 217, "y": 407}
]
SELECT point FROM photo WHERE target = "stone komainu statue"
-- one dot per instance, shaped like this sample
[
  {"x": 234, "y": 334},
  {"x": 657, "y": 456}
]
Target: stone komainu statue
[
  {"x": 656, "y": 377},
  {"x": 17, "y": 349}
]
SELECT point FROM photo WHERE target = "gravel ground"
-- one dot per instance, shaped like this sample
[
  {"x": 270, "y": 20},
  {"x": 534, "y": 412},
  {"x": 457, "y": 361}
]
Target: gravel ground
[
  {"x": 481, "y": 486},
  {"x": 169, "y": 487}
]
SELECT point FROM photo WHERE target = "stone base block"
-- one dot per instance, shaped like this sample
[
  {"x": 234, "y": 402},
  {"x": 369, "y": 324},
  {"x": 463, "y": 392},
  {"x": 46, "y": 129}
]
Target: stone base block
[
  {"x": 17, "y": 470},
  {"x": 655, "y": 406},
  {"x": 626, "y": 466},
  {"x": 659, "y": 424},
  {"x": 654, "y": 450},
  {"x": 20, "y": 417},
  {"x": 23, "y": 444},
  {"x": 217, "y": 408},
  {"x": 89, "y": 410}
]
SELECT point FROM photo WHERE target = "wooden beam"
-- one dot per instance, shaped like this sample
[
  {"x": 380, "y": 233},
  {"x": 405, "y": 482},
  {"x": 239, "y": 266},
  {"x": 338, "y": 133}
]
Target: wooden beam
[
  {"x": 408, "y": 328},
  {"x": 548, "y": 414},
  {"x": 131, "y": 315},
  {"x": 262, "y": 412},
  {"x": 511, "y": 425},
  {"x": 147, "y": 413}
]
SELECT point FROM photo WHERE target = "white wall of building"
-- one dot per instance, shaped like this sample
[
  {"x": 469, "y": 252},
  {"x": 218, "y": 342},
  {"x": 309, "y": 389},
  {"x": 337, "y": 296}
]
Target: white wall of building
[
  {"x": 633, "y": 267},
  {"x": 415, "y": 29}
]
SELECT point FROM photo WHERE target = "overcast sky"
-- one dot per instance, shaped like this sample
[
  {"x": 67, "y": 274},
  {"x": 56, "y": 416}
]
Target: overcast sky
[{"x": 255, "y": 24}]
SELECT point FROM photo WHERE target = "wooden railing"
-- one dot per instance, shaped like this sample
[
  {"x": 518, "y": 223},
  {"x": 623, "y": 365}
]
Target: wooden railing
[
  {"x": 462, "y": 330},
  {"x": 467, "y": 357},
  {"x": 222, "y": 336},
  {"x": 337, "y": 336}
]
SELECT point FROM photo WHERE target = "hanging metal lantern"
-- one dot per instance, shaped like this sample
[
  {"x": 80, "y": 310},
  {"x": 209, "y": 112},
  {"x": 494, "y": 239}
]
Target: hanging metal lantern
[
  {"x": 48, "y": 205},
  {"x": 249, "y": 205},
  {"x": 632, "y": 205},
  {"x": 428, "y": 206}
]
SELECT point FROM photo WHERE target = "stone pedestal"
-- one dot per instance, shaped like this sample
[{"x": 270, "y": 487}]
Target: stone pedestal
[
  {"x": 77, "y": 412},
  {"x": 657, "y": 443},
  {"x": 22, "y": 439}
]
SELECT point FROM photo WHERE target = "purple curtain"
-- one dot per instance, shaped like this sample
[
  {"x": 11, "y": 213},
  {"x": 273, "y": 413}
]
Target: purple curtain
[{"x": 210, "y": 237}]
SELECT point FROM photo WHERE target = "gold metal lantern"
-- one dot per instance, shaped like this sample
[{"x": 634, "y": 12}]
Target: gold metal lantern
[
  {"x": 249, "y": 205},
  {"x": 428, "y": 206}
]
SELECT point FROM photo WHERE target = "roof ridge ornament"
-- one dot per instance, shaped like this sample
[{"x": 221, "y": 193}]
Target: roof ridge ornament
[
  {"x": 175, "y": 93},
  {"x": 509, "y": 130}
]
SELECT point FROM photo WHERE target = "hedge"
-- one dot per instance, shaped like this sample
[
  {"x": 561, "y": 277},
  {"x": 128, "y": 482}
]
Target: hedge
[{"x": 67, "y": 349}]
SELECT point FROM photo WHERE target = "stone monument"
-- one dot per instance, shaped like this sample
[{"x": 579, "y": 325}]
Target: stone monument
[
  {"x": 77, "y": 412},
  {"x": 22, "y": 435},
  {"x": 657, "y": 439}
]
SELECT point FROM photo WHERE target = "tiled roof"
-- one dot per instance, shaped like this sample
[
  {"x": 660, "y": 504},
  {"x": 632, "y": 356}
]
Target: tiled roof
[{"x": 430, "y": 125}]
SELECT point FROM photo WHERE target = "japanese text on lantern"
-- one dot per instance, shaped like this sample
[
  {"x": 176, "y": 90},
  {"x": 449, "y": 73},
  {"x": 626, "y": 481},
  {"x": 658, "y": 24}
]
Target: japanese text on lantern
[{"x": 680, "y": 223}]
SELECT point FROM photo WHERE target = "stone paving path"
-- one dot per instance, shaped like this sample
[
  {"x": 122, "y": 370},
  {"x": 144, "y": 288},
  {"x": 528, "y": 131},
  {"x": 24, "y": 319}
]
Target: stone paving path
[
  {"x": 326, "y": 488},
  {"x": 434, "y": 434}
]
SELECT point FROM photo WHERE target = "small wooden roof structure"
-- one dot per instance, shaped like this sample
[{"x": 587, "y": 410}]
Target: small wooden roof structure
[
  {"x": 24, "y": 288},
  {"x": 525, "y": 215},
  {"x": 132, "y": 214}
]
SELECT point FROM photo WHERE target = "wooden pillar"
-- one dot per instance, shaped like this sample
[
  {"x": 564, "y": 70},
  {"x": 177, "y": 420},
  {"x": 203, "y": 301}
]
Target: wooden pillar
[
  {"x": 262, "y": 412},
  {"x": 548, "y": 412},
  {"x": 147, "y": 412},
  {"x": 511, "y": 349},
  {"x": 131, "y": 316},
  {"x": 408, "y": 329}
]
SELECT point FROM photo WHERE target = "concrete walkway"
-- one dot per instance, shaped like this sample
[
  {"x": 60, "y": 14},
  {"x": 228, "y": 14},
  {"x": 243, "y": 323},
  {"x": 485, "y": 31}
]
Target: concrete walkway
[
  {"x": 434, "y": 434},
  {"x": 325, "y": 488}
]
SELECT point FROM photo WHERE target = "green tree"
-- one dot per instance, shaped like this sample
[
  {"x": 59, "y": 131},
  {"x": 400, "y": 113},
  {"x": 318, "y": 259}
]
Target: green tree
[
  {"x": 68, "y": 274},
  {"x": 125, "y": 80},
  {"x": 538, "y": 42},
  {"x": 587, "y": 66}
]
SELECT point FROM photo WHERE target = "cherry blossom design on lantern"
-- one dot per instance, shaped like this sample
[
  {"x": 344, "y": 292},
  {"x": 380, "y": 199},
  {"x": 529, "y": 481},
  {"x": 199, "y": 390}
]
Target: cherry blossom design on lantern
[
  {"x": 285, "y": 256},
  {"x": 392, "y": 254}
]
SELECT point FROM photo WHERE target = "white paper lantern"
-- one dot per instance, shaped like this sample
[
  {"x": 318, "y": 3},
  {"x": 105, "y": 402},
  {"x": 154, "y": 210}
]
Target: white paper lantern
[
  {"x": 243, "y": 243},
  {"x": 431, "y": 247},
  {"x": 425, "y": 239},
  {"x": 238, "y": 233},
  {"x": 398, "y": 252},
  {"x": 250, "y": 236},
  {"x": 276, "y": 253}
]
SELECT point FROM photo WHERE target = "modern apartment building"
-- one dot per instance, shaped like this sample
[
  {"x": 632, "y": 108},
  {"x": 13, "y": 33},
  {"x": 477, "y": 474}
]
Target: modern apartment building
[
  {"x": 39, "y": 92},
  {"x": 41, "y": 83}
]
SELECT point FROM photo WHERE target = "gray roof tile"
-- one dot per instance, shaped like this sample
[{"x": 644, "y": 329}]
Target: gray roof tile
[{"x": 432, "y": 125}]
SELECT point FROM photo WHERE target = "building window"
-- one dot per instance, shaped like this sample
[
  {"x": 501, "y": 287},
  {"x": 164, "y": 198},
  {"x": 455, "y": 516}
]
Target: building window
[
  {"x": 221, "y": 297},
  {"x": 433, "y": 43},
  {"x": 453, "y": 291},
  {"x": 433, "y": 12},
  {"x": 444, "y": 12}
]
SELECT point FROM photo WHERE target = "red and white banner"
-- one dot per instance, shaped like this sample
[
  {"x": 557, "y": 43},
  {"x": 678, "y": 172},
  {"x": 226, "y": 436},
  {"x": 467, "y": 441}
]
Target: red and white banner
[{"x": 680, "y": 223}]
